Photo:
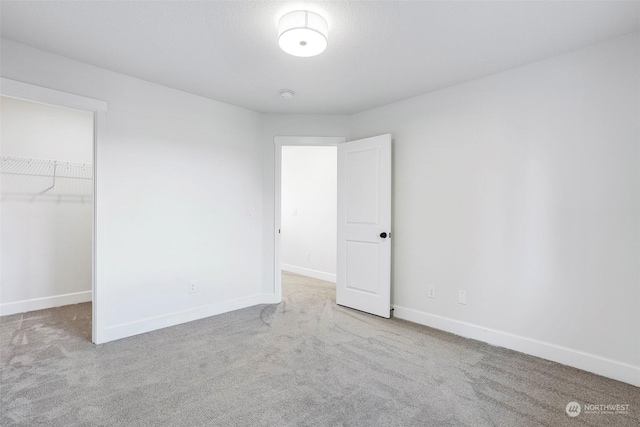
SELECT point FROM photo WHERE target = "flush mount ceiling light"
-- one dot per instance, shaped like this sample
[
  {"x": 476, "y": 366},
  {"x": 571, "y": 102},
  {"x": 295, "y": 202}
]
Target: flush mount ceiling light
[{"x": 302, "y": 33}]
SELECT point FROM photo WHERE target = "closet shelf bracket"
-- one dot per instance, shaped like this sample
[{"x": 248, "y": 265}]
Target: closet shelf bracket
[{"x": 53, "y": 185}]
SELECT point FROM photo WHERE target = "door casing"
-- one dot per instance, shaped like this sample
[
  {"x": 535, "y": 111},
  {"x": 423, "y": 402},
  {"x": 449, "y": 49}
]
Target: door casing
[
  {"x": 280, "y": 141},
  {"x": 29, "y": 92}
]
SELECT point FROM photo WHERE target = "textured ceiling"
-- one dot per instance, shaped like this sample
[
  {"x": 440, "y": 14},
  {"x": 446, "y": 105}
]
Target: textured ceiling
[{"x": 379, "y": 52}]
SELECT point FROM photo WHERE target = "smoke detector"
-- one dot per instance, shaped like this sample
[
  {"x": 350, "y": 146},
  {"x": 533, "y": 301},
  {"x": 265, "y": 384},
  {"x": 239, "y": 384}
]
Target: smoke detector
[{"x": 286, "y": 94}]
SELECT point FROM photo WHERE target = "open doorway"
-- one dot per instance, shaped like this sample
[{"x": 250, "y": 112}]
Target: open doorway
[
  {"x": 306, "y": 196},
  {"x": 47, "y": 209},
  {"x": 363, "y": 238},
  {"x": 309, "y": 198},
  {"x": 46, "y": 191}
]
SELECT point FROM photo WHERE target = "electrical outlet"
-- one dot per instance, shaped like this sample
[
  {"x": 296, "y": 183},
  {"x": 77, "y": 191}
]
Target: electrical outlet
[
  {"x": 432, "y": 291},
  {"x": 308, "y": 255},
  {"x": 192, "y": 287},
  {"x": 462, "y": 297}
]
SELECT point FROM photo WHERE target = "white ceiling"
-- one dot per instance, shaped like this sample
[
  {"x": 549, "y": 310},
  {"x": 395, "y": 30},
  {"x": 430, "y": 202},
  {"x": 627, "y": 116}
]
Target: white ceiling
[{"x": 379, "y": 52}]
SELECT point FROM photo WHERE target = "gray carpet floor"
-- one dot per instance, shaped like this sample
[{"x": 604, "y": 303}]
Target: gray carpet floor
[{"x": 305, "y": 362}]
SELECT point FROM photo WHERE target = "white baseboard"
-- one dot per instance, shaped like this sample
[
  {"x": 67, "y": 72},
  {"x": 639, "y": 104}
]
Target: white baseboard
[
  {"x": 149, "y": 324},
  {"x": 270, "y": 299},
  {"x": 588, "y": 362},
  {"x": 44, "y": 303},
  {"x": 309, "y": 272}
]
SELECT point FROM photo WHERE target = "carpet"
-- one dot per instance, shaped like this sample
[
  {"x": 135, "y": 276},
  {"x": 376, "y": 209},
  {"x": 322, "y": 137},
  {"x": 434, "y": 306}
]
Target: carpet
[{"x": 304, "y": 362}]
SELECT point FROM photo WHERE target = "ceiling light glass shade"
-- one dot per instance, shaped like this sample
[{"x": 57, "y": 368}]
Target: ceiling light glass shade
[{"x": 302, "y": 33}]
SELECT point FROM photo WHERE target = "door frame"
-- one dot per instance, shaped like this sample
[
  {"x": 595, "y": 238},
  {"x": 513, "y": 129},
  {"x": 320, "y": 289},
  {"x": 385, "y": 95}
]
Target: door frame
[
  {"x": 295, "y": 141},
  {"x": 25, "y": 91}
]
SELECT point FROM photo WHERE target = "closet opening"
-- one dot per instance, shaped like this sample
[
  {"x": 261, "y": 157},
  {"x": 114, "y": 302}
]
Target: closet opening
[{"x": 47, "y": 215}]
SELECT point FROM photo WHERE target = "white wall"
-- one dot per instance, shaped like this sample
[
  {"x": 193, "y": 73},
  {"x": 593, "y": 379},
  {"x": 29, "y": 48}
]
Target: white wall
[
  {"x": 286, "y": 125},
  {"x": 178, "y": 199},
  {"x": 31, "y": 129},
  {"x": 46, "y": 243},
  {"x": 309, "y": 197},
  {"x": 523, "y": 188}
]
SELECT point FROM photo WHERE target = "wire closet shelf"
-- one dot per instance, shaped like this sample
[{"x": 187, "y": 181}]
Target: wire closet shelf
[{"x": 24, "y": 178}]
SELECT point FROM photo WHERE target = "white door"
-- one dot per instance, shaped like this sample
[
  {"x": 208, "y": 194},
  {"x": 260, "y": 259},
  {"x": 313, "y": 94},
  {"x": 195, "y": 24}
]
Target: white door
[{"x": 364, "y": 225}]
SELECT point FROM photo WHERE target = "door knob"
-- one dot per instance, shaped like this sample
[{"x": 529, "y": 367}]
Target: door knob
[{"x": 383, "y": 235}]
